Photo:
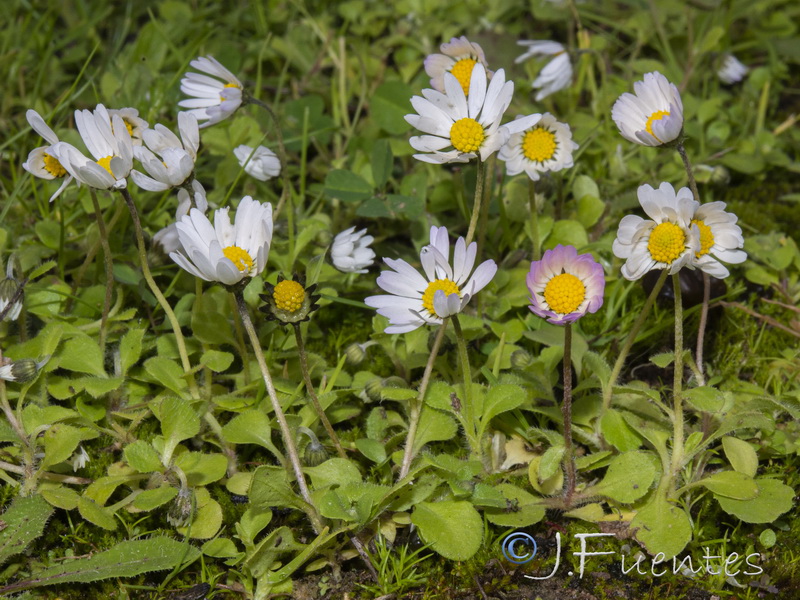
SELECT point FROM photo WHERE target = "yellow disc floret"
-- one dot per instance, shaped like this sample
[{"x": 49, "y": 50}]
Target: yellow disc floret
[
  {"x": 446, "y": 285},
  {"x": 539, "y": 144},
  {"x": 706, "y": 237},
  {"x": 52, "y": 166},
  {"x": 462, "y": 71},
  {"x": 289, "y": 295},
  {"x": 239, "y": 257},
  {"x": 467, "y": 135},
  {"x": 106, "y": 164},
  {"x": 667, "y": 242},
  {"x": 564, "y": 293},
  {"x": 656, "y": 116}
]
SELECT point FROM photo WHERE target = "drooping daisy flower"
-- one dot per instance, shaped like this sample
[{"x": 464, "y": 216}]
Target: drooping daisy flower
[
  {"x": 135, "y": 124},
  {"x": 564, "y": 286},
  {"x": 458, "y": 57},
  {"x": 557, "y": 74},
  {"x": 720, "y": 239},
  {"x": 109, "y": 143},
  {"x": 168, "y": 237},
  {"x": 544, "y": 145},
  {"x": 11, "y": 296},
  {"x": 469, "y": 127},
  {"x": 654, "y": 115},
  {"x": 731, "y": 70},
  {"x": 445, "y": 290},
  {"x": 223, "y": 252},
  {"x": 351, "y": 252},
  {"x": 668, "y": 241},
  {"x": 213, "y": 100},
  {"x": 261, "y": 163},
  {"x": 42, "y": 161},
  {"x": 168, "y": 160}
]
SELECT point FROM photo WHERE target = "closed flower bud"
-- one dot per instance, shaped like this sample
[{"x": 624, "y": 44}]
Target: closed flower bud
[
  {"x": 180, "y": 511},
  {"x": 22, "y": 371},
  {"x": 356, "y": 353},
  {"x": 373, "y": 389},
  {"x": 521, "y": 359},
  {"x": 315, "y": 453}
]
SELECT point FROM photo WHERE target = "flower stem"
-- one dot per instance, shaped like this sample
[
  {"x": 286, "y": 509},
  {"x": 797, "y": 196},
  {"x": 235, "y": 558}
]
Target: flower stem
[
  {"x": 677, "y": 381},
  {"x": 301, "y": 350},
  {"x": 476, "y": 206},
  {"x": 288, "y": 440},
  {"x": 418, "y": 402},
  {"x": 566, "y": 411},
  {"x": 109, "y": 268},
  {"x": 689, "y": 172},
  {"x": 286, "y": 191},
  {"x": 537, "y": 251},
  {"x": 468, "y": 408}
]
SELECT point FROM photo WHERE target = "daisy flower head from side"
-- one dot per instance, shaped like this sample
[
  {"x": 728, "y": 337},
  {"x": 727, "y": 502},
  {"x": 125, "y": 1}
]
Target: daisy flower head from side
[
  {"x": 564, "y": 285},
  {"x": 443, "y": 291},
  {"x": 215, "y": 95},
  {"x": 668, "y": 240},
  {"x": 167, "y": 237},
  {"x": 543, "y": 144},
  {"x": 720, "y": 239},
  {"x": 133, "y": 122},
  {"x": 653, "y": 114},
  {"x": 42, "y": 161},
  {"x": 458, "y": 57},
  {"x": 261, "y": 163},
  {"x": 350, "y": 251},
  {"x": 469, "y": 126},
  {"x": 225, "y": 252},
  {"x": 556, "y": 75},
  {"x": 731, "y": 70},
  {"x": 168, "y": 160}
]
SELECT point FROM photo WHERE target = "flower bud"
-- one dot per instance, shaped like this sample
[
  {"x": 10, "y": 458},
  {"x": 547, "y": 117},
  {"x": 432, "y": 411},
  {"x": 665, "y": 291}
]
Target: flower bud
[
  {"x": 373, "y": 389},
  {"x": 180, "y": 511},
  {"x": 22, "y": 371},
  {"x": 314, "y": 454},
  {"x": 355, "y": 354},
  {"x": 521, "y": 359}
]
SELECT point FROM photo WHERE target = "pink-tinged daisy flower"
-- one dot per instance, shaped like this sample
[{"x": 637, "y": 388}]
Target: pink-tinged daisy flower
[
  {"x": 557, "y": 74},
  {"x": 216, "y": 95},
  {"x": 564, "y": 286},
  {"x": 444, "y": 291},
  {"x": 458, "y": 57},
  {"x": 654, "y": 115}
]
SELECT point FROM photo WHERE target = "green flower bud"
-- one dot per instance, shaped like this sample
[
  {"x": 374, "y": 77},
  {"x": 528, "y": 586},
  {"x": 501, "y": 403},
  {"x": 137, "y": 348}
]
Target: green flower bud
[
  {"x": 521, "y": 359},
  {"x": 22, "y": 371},
  {"x": 355, "y": 354},
  {"x": 373, "y": 389},
  {"x": 180, "y": 511}
]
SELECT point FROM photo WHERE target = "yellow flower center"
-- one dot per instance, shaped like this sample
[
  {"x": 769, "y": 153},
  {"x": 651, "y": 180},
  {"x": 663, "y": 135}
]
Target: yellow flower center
[
  {"x": 706, "y": 237},
  {"x": 656, "y": 116},
  {"x": 106, "y": 164},
  {"x": 462, "y": 71},
  {"x": 667, "y": 242},
  {"x": 564, "y": 293},
  {"x": 289, "y": 295},
  {"x": 446, "y": 285},
  {"x": 228, "y": 85},
  {"x": 467, "y": 135},
  {"x": 129, "y": 127},
  {"x": 52, "y": 166},
  {"x": 239, "y": 257},
  {"x": 539, "y": 144}
]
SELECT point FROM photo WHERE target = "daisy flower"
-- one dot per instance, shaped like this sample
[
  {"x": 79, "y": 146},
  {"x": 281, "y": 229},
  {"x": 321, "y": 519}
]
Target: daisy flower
[
  {"x": 21, "y": 371},
  {"x": 108, "y": 141},
  {"x": 564, "y": 286},
  {"x": 544, "y": 145},
  {"x": 261, "y": 163},
  {"x": 168, "y": 237},
  {"x": 223, "y": 252},
  {"x": 10, "y": 292},
  {"x": 469, "y": 127},
  {"x": 134, "y": 124},
  {"x": 445, "y": 290},
  {"x": 458, "y": 57},
  {"x": 42, "y": 161},
  {"x": 731, "y": 70},
  {"x": 557, "y": 74},
  {"x": 351, "y": 252},
  {"x": 168, "y": 160},
  {"x": 654, "y": 115},
  {"x": 668, "y": 241},
  {"x": 216, "y": 96},
  {"x": 720, "y": 239}
]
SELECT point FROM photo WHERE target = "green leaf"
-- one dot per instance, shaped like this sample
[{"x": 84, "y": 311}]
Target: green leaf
[
  {"x": 178, "y": 422},
  {"x": 210, "y": 322},
  {"x": 774, "y": 498},
  {"x": 767, "y": 538},
  {"x": 618, "y": 433},
  {"x": 522, "y": 508},
  {"x": 346, "y": 186},
  {"x": 130, "y": 349},
  {"x": 269, "y": 488},
  {"x": 628, "y": 477},
  {"x": 334, "y": 471},
  {"x": 434, "y": 426},
  {"x": 731, "y": 484},
  {"x": 741, "y": 455},
  {"x": 60, "y": 441},
  {"x": 251, "y": 427},
  {"x": 372, "y": 449},
  {"x": 662, "y": 527},
  {"x": 216, "y": 361},
  {"x": 454, "y": 529},
  {"x": 150, "y": 499},
  {"x": 381, "y": 162},
  {"x": 166, "y": 372},
  {"x": 663, "y": 359},
  {"x": 568, "y": 233},
  {"x": 59, "y": 496},
  {"x": 141, "y": 456},
  {"x": 94, "y": 513},
  {"x": 208, "y": 518},
  {"x": 24, "y": 521},
  {"x": 501, "y": 398},
  {"x": 82, "y": 355},
  {"x": 389, "y": 105},
  {"x": 590, "y": 209},
  {"x": 705, "y": 398},
  {"x": 202, "y": 468},
  {"x": 220, "y": 548},
  {"x": 550, "y": 463}
]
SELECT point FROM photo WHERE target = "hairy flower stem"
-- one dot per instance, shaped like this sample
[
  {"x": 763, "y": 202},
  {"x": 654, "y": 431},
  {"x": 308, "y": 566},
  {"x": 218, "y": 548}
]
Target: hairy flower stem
[
  {"x": 677, "y": 382},
  {"x": 109, "y": 268},
  {"x": 537, "y": 251},
  {"x": 566, "y": 411},
  {"x": 468, "y": 409},
  {"x": 626, "y": 347},
  {"x": 288, "y": 440},
  {"x": 418, "y": 402},
  {"x": 476, "y": 206},
  {"x": 301, "y": 351}
]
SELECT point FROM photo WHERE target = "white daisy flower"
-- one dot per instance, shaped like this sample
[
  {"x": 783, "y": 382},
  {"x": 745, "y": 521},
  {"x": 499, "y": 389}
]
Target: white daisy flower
[
  {"x": 654, "y": 115},
  {"x": 731, "y": 70},
  {"x": 444, "y": 291},
  {"x": 134, "y": 124},
  {"x": 42, "y": 161},
  {"x": 469, "y": 127},
  {"x": 720, "y": 239},
  {"x": 669, "y": 241},
  {"x": 108, "y": 141},
  {"x": 168, "y": 160},
  {"x": 557, "y": 74},
  {"x": 458, "y": 57},
  {"x": 261, "y": 163},
  {"x": 351, "y": 252},
  {"x": 9, "y": 288},
  {"x": 223, "y": 252},
  {"x": 213, "y": 100},
  {"x": 168, "y": 237},
  {"x": 544, "y": 145}
]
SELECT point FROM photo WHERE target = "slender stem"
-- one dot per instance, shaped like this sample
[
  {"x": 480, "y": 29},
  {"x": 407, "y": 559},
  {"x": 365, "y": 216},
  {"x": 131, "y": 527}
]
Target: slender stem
[
  {"x": 626, "y": 347},
  {"x": 281, "y": 153},
  {"x": 476, "y": 206},
  {"x": 6, "y": 466},
  {"x": 288, "y": 440},
  {"x": 566, "y": 411},
  {"x": 466, "y": 371},
  {"x": 12, "y": 419},
  {"x": 485, "y": 204},
  {"x": 416, "y": 404},
  {"x": 537, "y": 251},
  {"x": 301, "y": 350},
  {"x": 109, "y": 267},
  {"x": 677, "y": 382},
  {"x": 689, "y": 173},
  {"x": 701, "y": 330}
]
